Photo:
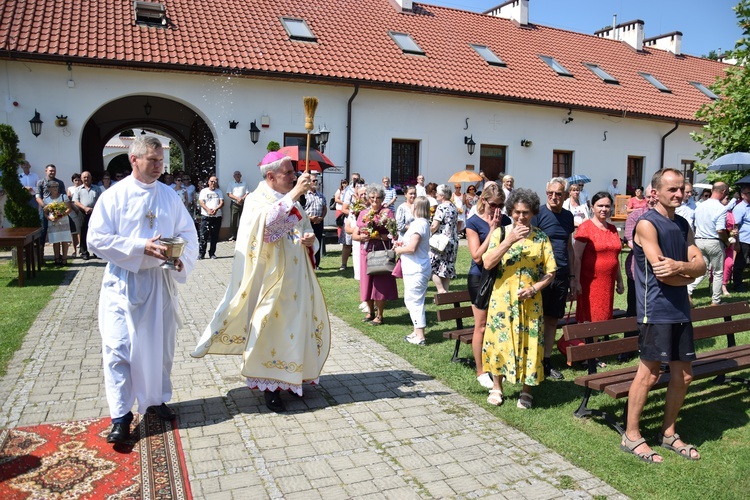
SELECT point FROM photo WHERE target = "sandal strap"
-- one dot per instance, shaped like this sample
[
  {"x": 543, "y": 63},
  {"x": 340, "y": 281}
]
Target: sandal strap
[{"x": 633, "y": 444}]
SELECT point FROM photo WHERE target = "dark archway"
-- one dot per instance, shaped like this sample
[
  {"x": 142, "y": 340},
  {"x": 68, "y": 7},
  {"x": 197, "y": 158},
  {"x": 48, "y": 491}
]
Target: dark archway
[{"x": 177, "y": 120}]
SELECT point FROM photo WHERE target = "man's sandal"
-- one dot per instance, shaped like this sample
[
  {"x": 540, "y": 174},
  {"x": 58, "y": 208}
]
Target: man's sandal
[
  {"x": 685, "y": 451},
  {"x": 496, "y": 397},
  {"x": 630, "y": 446},
  {"x": 524, "y": 401}
]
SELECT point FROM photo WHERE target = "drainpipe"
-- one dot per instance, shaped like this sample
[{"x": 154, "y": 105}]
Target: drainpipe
[
  {"x": 663, "y": 139},
  {"x": 349, "y": 130}
]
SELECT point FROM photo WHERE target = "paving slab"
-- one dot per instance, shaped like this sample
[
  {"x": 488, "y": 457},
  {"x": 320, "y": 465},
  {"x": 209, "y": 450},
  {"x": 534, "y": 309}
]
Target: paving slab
[{"x": 375, "y": 426}]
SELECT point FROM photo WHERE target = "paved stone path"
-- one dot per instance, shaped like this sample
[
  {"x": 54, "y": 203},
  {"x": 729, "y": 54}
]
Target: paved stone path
[{"x": 375, "y": 427}]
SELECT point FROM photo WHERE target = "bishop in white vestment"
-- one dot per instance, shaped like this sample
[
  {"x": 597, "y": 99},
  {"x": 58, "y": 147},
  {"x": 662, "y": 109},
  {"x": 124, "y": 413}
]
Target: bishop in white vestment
[
  {"x": 138, "y": 317},
  {"x": 273, "y": 312}
]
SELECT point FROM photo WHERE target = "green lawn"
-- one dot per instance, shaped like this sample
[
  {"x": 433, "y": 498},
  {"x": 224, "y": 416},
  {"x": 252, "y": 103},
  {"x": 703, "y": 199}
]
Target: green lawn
[
  {"x": 714, "y": 418},
  {"x": 19, "y": 307}
]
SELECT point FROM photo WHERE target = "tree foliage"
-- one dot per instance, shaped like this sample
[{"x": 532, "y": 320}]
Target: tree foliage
[
  {"x": 17, "y": 208},
  {"x": 727, "y": 128},
  {"x": 175, "y": 157}
]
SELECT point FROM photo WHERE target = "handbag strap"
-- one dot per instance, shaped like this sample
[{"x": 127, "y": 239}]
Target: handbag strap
[{"x": 502, "y": 238}]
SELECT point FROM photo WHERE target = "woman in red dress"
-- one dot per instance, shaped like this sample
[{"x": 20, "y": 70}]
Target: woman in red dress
[{"x": 597, "y": 249}]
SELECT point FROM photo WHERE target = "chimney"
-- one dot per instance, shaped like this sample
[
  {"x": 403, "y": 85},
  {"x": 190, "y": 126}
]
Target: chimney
[
  {"x": 515, "y": 10},
  {"x": 671, "y": 42},
  {"x": 403, "y": 5},
  {"x": 630, "y": 33}
]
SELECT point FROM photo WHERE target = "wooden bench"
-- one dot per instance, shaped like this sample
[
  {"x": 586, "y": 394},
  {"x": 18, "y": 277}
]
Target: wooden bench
[
  {"x": 616, "y": 383},
  {"x": 459, "y": 308}
]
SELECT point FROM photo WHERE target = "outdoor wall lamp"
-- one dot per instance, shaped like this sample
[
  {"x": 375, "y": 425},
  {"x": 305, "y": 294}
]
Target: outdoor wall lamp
[
  {"x": 233, "y": 124},
  {"x": 147, "y": 107},
  {"x": 526, "y": 143},
  {"x": 470, "y": 144},
  {"x": 254, "y": 132},
  {"x": 62, "y": 121},
  {"x": 36, "y": 124},
  {"x": 321, "y": 137}
]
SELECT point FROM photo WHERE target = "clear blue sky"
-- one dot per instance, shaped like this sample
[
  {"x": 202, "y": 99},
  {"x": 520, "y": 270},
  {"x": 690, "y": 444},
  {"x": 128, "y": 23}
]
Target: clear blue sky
[{"x": 705, "y": 24}]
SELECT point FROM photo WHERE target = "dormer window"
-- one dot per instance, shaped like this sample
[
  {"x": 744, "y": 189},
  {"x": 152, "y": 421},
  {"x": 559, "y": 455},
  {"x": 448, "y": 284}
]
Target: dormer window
[
  {"x": 487, "y": 54},
  {"x": 150, "y": 13},
  {"x": 556, "y": 66},
  {"x": 406, "y": 43},
  {"x": 297, "y": 29}
]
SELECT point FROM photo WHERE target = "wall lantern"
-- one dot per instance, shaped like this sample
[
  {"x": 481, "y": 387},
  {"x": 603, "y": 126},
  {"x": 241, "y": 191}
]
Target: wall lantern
[
  {"x": 254, "y": 132},
  {"x": 470, "y": 144},
  {"x": 147, "y": 107},
  {"x": 321, "y": 137},
  {"x": 526, "y": 143},
  {"x": 233, "y": 124},
  {"x": 36, "y": 124}
]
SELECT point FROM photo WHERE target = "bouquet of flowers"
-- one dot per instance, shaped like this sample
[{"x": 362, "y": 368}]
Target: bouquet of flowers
[
  {"x": 357, "y": 206},
  {"x": 57, "y": 209},
  {"x": 377, "y": 223}
]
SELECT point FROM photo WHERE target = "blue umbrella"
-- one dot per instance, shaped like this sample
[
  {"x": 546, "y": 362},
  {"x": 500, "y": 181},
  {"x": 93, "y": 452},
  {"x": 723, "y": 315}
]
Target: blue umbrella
[
  {"x": 578, "y": 179},
  {"x": 744, "y": 180},
  {"x": 731, "y": 161}
]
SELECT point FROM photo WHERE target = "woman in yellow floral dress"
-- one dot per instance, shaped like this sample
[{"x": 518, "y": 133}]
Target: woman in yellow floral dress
[{"x": 514, "y": 337}]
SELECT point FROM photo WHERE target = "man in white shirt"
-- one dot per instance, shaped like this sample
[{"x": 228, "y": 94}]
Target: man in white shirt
[
  {"x": 211, "y": 200},
  {"x": 712, "y": 237},
  {"x": 583, "y": 195},
  {"x": 390, "y": 194},
  {"x": 686, "y": 211},
  {"x": 28, "y": 178},
  {"x": 613, "y": 190},
  {"x": 421, "y": 191},
  {"x": 237, "y": 191}
]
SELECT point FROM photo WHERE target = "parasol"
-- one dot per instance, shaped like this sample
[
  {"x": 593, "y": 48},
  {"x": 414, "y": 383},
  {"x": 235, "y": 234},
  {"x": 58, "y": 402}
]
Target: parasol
[
  {"x": 578, "y": 179},
  {"x": 465, "y": 176},
  {"x": 732, "y": 161},
  {"x": 318, "y": 161}
]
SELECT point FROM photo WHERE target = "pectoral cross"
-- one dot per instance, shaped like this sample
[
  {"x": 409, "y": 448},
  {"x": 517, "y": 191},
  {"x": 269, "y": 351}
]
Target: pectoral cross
[{"x": 150, "y": 216}]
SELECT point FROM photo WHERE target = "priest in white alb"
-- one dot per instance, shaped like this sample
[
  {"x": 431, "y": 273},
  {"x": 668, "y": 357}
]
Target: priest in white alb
[
  {"x": 273, "y": 312},
  {"x": 138, "y": 317}
]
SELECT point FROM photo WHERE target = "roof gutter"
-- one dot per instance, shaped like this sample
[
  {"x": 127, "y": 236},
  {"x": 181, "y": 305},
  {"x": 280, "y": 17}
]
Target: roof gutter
[
  {"x": 349, "y": 130},
  {"x": 663, "y": 140}
]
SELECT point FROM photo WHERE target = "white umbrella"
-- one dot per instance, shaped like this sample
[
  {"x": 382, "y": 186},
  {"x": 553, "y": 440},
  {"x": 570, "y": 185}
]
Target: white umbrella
[{"x": 730, "y": 162}]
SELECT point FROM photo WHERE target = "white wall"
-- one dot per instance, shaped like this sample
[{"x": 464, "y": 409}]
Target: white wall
[{"x": 378, "y": 117}]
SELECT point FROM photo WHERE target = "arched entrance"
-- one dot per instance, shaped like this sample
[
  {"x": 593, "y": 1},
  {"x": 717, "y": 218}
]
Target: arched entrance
[{"x": 179, "y": 121}]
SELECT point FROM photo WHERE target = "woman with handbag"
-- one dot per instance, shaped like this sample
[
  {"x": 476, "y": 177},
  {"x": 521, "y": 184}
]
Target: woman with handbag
[
  {"x": 414, "y": 249},
  {"x": 444, "y": 227},
  {"x": 514, "y": 337},
  {"x": 372, "y": 232},
  {"x": 479, "y": 227}
]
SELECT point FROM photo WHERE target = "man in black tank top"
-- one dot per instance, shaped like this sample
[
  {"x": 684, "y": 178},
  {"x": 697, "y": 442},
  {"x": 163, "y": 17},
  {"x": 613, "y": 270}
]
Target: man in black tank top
[{"x": 666, "y": 261}]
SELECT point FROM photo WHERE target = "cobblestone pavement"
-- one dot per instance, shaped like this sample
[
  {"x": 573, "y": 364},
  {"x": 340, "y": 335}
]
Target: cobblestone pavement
[{"x": 375, "y": 427}]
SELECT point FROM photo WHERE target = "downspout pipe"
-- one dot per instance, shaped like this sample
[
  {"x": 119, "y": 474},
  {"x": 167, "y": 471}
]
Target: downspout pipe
[
  {"x": 349, "y": 131},
  {"x": 663, "y": 140}
]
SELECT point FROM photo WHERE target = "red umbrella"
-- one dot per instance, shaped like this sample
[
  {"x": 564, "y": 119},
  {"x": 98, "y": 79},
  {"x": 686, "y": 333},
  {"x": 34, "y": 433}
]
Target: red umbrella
[{"x": 318, "y": 161}]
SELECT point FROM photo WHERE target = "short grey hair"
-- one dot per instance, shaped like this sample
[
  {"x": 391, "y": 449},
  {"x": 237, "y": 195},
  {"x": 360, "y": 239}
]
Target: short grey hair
[
  {"x": 274, "y": 166},
  {"x": 525, "y": 196},
  {"x": 377, "y": 189},
  {"x": 558, "y": 180},
  {"x": 445, "y": 190},
  {"x": 142, "y": 143},
  {"x": 421, "y": 208},
  {"x": 53, "y": 184}
]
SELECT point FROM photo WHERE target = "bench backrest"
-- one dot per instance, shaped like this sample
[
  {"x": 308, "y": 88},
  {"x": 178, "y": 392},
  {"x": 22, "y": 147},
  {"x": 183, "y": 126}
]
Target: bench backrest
[
  {"x": 461, "y": 302},
  {"x": 593, "y": 331}
]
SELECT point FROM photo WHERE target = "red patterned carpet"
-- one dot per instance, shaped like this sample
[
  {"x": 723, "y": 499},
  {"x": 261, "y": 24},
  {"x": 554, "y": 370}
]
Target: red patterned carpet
[{"x": 72, "y": 460}]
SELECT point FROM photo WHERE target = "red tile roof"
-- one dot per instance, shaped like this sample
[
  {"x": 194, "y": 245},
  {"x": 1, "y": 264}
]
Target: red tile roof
[{"x": 353, "y": 45}]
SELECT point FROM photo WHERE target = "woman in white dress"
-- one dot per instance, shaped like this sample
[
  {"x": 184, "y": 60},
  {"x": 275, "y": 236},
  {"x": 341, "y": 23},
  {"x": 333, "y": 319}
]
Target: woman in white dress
[
  {"x": 458, "y": 199},
  {"x": 76, "y": 217},
  {"x": 573, "y": 204},
  {"x": 58, "y": 228}
]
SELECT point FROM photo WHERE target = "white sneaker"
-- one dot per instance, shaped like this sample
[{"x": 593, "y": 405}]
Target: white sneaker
[
  {"x": 363, "y": 307},
  {"x": 485, "y": 380}
]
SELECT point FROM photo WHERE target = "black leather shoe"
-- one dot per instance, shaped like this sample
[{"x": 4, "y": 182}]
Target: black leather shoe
[
  {"x": 163, "y": 411},
  {"x": 85, "y": 256},
  {"x": 550, "y": 372},
  {"x": 120, "y": 434},
  {"x": 273, "y": 401}
]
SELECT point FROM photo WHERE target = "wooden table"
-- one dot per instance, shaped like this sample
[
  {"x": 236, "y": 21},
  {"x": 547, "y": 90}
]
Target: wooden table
[{"x": 23, "y": 239}]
